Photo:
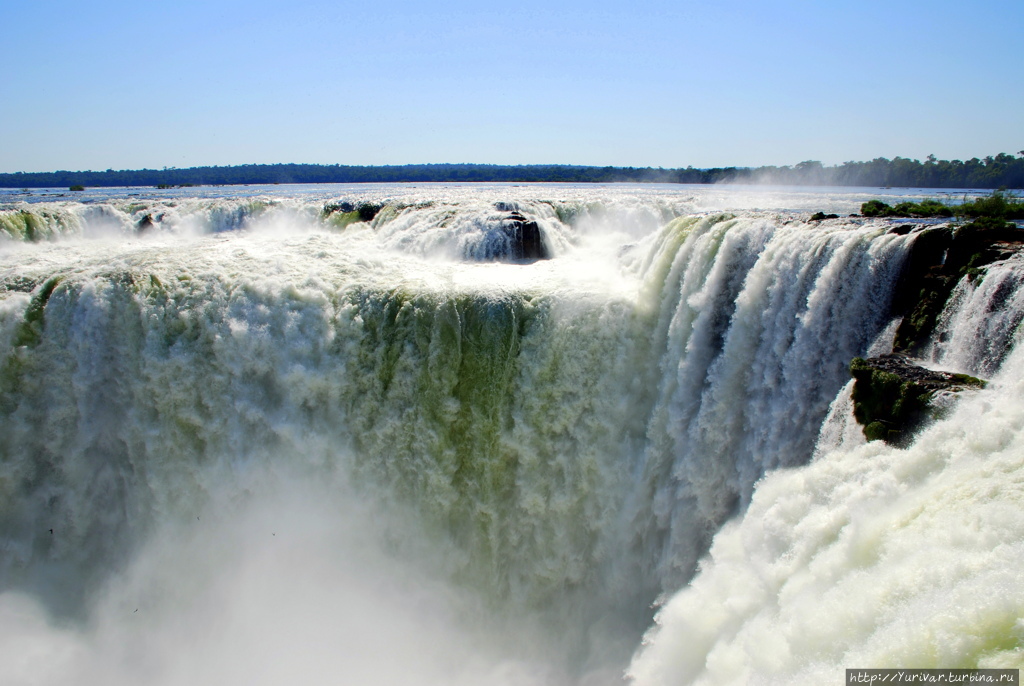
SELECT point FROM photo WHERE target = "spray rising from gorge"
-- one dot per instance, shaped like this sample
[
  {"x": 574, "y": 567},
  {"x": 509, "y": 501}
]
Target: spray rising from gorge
[{"x": 291, "y": 436}]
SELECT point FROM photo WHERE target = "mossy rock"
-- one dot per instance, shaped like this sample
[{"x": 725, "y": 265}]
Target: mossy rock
[
  {"x": 368, "y": 210},
  {"x": 892, "y": 396},
  {"x": 942, "y": 257},
  {"x": 30, "y": 331},
  {"x": 879, "y": 431},
  {"x": 340, "y": 215},
  {"x": 939, "y": 259}
]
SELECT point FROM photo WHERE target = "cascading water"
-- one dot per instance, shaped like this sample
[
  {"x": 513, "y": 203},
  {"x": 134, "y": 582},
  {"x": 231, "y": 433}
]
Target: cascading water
[
  {"x": 271, "y": 438},
  {"x": 871, "y": 556}
]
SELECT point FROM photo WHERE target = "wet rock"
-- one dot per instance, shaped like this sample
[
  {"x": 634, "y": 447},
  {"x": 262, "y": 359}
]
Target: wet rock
[
  {"x": 144, "y": 224},
  {"x": 368, "y": 210},
  {"x": 893, "y": 397},
  {"x": 331, "y": 208},
  {"x": 939, "y": 258},
  {"x": 526, "y": 243},
  {"x": 903, "y": 229},
  {"x": 512, "y": 238},
  {"x": 340, "y": 214}
]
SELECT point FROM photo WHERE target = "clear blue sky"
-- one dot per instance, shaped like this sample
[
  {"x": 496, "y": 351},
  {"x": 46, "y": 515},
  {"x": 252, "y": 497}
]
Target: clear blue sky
[{"x": 128, "y": 85}]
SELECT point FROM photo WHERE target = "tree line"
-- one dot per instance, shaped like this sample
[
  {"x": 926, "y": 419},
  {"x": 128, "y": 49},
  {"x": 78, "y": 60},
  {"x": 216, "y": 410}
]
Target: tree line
[{"x": 999, "y": 171}]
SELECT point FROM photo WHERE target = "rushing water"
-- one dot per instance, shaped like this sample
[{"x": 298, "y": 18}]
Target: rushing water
[{"x": 250, "y": 437}]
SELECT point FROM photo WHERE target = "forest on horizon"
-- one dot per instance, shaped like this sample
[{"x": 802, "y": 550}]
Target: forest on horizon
[{"x": 999, "y": 171}]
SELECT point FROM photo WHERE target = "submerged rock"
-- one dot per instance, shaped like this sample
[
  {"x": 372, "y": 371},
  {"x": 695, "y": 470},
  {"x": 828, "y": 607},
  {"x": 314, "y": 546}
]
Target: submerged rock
[
  {"x": 893, "y": 396},
  {"x": 819, "y": 216}
]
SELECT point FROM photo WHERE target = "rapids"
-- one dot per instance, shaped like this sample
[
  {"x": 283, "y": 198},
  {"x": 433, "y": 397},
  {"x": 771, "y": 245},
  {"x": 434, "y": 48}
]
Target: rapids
[{"x": 249, "y": 436}]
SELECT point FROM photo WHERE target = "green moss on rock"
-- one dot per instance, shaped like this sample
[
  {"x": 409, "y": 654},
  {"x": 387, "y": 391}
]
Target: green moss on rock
[
  {"x": 30, "y": 331},
  {"x": 892, "y": 396},
  {"x": 340, "y": 215},
  {"x": 939, "y": 259}
]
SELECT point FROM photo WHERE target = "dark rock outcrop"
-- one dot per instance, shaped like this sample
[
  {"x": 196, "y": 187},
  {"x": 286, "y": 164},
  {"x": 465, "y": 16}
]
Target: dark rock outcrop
[
  {"x": 331, "y": 208},
  {"x": 525, "y": 239},
  {"x": 893, "y": 396},
  {"x": 364, "y": 211},
  {"x": 368, "y": 210},
  {"x": 938, "y": 259},
  {"x": 144, "y": 224}
]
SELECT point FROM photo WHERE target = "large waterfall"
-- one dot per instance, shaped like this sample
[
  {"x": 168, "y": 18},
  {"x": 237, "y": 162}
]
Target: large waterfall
[{"x": 351, "y": 435}]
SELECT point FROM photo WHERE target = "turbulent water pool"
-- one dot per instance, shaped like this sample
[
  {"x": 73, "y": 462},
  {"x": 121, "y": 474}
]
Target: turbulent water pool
[{"x": 348, "y": 434}]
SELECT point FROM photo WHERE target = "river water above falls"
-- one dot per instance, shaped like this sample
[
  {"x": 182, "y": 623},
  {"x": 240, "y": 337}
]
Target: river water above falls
[{"x": 363, "y": 435}]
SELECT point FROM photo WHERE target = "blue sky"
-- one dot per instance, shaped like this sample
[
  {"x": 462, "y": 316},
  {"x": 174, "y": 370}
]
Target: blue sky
[{"x": 128, "y": 85}]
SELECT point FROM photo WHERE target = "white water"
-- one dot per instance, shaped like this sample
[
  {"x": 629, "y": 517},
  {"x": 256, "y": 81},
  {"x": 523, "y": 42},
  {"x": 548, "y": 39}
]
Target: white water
[
  {"x": 301, "y": 452},
  {"x": 869, "y": 556}
]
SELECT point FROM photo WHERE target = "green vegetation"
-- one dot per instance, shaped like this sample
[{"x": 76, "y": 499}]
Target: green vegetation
[
  {"x": 76, "y": 187},
  {"x": 883, "y": 404},
  {"x": 916, "y": 327},
  {"x": 999, "y": 205},
  {"x": 943, "y": 256},
  {"x": 367, "y": 211},
  {"x": 1002, "y": 170},
  {"x": 340, "y": 215},
  {"x": 940, "y": 257},
  {"x": 925, "y": 208},
  {"x": 891, "y": 396}
]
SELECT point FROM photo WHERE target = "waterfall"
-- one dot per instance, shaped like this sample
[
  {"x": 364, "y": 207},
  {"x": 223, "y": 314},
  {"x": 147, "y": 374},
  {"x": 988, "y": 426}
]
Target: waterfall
[
  {"x": 242, "y": 409},
  {"x": 872, "y": 555}
]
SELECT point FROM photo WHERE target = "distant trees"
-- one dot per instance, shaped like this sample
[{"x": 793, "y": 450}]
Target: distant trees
[{"x": 1002, "y": 170}]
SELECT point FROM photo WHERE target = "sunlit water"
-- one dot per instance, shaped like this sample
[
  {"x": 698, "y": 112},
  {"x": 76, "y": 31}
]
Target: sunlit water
[{"x": 247, "y": 439}]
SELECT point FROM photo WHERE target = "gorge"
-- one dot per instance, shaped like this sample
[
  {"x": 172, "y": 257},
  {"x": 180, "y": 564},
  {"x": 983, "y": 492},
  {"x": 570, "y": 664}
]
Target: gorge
[{"x": 493, "y": 433}]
